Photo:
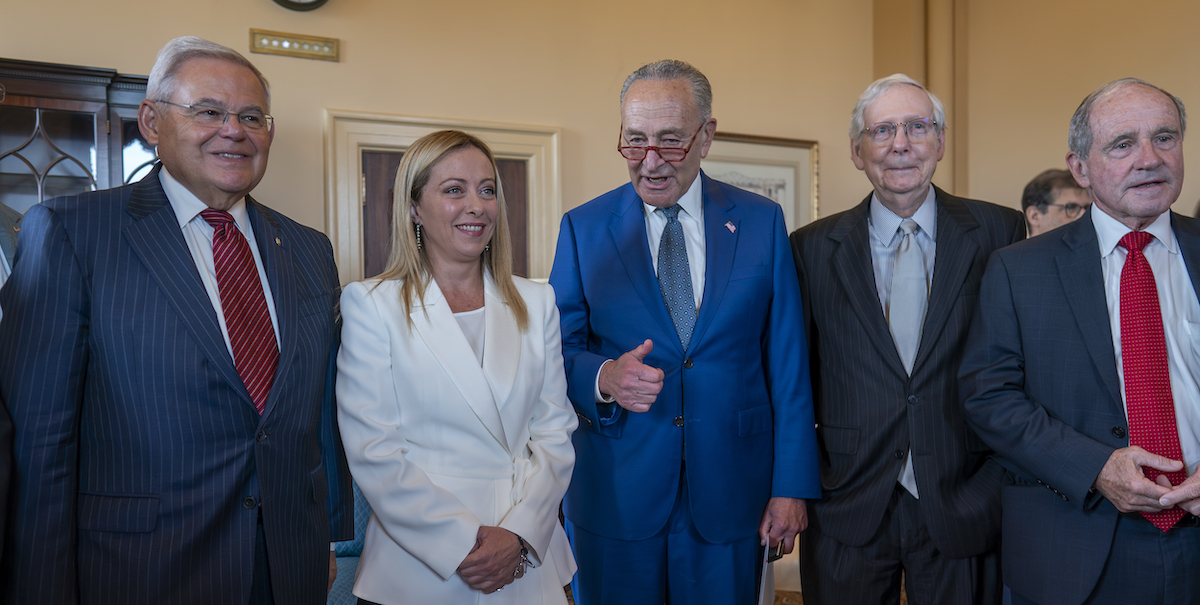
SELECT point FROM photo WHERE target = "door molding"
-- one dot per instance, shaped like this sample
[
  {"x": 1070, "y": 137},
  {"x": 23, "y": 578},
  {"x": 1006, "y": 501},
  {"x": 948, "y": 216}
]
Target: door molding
[{"x": 349, "y": 133}]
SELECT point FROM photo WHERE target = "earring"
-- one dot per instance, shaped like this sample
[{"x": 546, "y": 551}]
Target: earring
[
  {"x": 487, "y": 247},
  {"x": 418, "y": 236}
]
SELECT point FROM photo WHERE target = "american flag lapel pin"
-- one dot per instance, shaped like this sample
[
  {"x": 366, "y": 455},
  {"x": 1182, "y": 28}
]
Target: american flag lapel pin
[{"x": 730, "y": 227}]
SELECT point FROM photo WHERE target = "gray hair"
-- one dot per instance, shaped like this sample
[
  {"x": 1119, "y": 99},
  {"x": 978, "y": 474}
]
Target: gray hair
[
  {"x": 1079, "y": 138},
  {"x": 671, "y": 69},
  {"x": 876, "y": 90},
  {"x": 161, "y": 85}
]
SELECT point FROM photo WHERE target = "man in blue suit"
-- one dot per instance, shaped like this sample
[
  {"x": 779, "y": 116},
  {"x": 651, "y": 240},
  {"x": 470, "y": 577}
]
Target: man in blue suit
[
  {"x": 175, "y": 438},
  {"x": 685, "y": 360},
  {"x": 1082, "y": 371}
]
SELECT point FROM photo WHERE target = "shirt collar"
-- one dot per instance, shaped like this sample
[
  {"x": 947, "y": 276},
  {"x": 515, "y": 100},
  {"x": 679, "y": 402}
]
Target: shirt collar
[
  {"x": 1110, "y": 231},
  {"x": 187, "y": 206},
  {"x": 691, "y": 201},
  {"x": 885, "y": 223}
]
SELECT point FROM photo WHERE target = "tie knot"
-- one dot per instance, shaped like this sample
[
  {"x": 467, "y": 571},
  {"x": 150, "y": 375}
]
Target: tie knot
[
  {"x": 217, "y": 218},
  {"x": 1134, "y": 241},
  {"x": 671, "y": 212},
  {"x": 909, "y": 226}
]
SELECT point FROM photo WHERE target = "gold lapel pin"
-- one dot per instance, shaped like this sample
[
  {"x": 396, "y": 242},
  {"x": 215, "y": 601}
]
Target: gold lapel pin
[{"x": 277, "y": 242}]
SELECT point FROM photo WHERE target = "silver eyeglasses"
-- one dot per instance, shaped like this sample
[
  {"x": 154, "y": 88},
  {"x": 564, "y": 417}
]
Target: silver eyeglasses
[
  {"x": 215, "y": 117},
  {"x": 916, "y": 130}
]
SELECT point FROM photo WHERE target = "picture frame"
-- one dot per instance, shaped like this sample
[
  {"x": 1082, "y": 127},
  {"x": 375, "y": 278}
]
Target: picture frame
[{"x": 784, "y": 170}]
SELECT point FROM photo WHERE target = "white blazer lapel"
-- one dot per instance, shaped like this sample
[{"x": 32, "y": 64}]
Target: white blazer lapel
[
  {"x": 438, "y": 329},
  {"x": 501, "y": 346}
]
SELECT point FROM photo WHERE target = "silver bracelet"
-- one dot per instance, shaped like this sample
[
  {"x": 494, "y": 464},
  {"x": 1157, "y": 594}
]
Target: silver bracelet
[{"x": 524, "y": 564}]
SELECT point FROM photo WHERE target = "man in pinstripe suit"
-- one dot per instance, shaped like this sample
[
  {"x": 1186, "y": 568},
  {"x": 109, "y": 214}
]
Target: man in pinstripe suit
[
  {"x": 146, "y": 469},
  {"x": 889, "y": 287}
]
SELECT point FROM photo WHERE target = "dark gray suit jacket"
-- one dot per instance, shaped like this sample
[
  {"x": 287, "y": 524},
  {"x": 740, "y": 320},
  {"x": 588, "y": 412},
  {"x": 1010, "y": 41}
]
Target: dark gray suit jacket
[
  {"x": 10, "y": 224},
  {"x": 1041, "y": 381},
  {"x": 142, "y": 466},
  {"x": 869, "y": 411}
]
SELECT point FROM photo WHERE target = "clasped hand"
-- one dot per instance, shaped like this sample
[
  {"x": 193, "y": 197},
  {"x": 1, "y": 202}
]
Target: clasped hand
[
  {"x": 1126, "y": 486},
  {"x": 491, "y": 564},
  {"x": 632, "y": 383}
]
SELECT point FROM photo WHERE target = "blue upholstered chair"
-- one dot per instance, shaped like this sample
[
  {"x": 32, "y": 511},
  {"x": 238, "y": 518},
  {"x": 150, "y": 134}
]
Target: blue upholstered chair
[{"x": 348, "y": 553}]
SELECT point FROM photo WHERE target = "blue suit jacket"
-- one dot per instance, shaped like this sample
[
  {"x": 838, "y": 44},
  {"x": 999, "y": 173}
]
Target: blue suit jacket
[
  {"x": 741, "y": 389},
  {"x": 140, "y": 459},
  {"x": 1040, "y": 376}
]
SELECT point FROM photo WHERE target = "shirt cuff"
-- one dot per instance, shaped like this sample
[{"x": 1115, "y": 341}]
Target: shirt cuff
[{"x": 601, "y": 397}]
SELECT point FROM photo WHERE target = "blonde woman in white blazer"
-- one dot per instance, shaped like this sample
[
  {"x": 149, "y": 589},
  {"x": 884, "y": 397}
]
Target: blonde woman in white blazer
[{"x": 452, "y": 398}]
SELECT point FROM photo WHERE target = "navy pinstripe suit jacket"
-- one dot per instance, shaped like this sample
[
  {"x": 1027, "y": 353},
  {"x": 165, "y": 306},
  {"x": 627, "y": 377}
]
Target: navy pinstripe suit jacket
[
  {"x": 140, "y": 459},
  {"x": 869, "y": 410},
  {"x": 1041, "y": 387}
]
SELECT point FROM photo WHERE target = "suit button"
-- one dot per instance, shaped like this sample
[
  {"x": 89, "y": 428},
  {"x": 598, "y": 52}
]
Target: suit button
[
  {"x": 1118, "y": 432},
  {"x": 687, "y": 363},
  {"x": 250, "y": 502},
  {"x": 899, "y": 454},
  {"x": 913, "y": 399},
  {"x": 679, "y": 421},
  {"x": 261, "y": 436}
]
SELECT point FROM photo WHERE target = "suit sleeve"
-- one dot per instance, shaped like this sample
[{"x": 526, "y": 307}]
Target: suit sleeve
[
  {"x": 340, "y": 498},
  {"x": 795, "y": 474},
  {"x": 429, "y": 522},
  {"x": 42, "y": 376},
  {"x": 993, "y": 379},
  {"x": 581, "y": 364},
  {"x": 551, "y": 454}
]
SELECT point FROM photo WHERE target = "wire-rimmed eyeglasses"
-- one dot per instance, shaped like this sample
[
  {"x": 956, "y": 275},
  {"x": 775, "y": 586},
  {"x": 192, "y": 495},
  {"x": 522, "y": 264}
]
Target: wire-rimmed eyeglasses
[
  {"x": 915, "y": 130},
  {"x": 1071, "y": 209},
  {"x": 215, "y": 117}
]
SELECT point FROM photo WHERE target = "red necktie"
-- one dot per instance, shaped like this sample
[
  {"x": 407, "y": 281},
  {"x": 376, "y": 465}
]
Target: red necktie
[
  {"x": 1148, "y": 399},
  {"x": 255, "y": 353}
]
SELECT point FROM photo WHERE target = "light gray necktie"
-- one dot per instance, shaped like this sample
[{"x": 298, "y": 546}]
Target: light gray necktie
[{"x": 906, "y": 314}]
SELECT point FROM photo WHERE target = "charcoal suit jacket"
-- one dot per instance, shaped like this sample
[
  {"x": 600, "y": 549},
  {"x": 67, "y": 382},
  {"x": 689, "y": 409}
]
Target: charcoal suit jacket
[{"x": 869, "y": 411}]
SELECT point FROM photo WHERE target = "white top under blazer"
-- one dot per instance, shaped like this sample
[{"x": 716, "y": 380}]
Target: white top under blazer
[{"x": 441, "y": 446}]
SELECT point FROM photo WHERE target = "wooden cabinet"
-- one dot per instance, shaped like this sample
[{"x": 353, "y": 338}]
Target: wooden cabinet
[{"x": 66, "y": 129}]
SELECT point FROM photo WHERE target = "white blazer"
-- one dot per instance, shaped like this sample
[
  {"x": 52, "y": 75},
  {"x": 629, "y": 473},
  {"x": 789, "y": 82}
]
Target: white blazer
[{"x": 441, "y": 446}]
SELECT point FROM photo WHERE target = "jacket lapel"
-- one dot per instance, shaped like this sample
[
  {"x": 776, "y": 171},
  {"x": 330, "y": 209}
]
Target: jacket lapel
[
  {"x": 500, "y": 356},
  {"x": 719, "y": 243},
  {"x": 1187, "y": 232},
  {"x": 856, "y": 272},
  {"x": 628, "y": 229},
  {"x": 952, "y": 261},
  {"x": 158, "y": 242},
  {"x": 1083, "y": 282},
  {"x": 276, "y": 259},
  {"x": 434, "y": 322}
]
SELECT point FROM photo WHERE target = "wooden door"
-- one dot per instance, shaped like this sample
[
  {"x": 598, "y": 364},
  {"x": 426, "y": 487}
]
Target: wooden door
[{"x": 379, "y": 181}]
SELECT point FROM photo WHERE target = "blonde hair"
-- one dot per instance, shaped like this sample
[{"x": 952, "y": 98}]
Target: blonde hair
[{"x": 408, "y": 263}]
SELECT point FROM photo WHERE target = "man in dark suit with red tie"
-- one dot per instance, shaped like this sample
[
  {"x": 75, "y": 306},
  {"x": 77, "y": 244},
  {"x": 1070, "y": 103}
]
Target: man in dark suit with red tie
[
  {"x": 889, "y": 288},
  {"x": 168, "y": 356},
  {"x": 1082, "y": 371}
]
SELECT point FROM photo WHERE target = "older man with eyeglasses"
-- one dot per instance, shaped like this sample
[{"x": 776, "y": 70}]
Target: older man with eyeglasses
[
  {"x": 1053, "y": 199},
  {"x": 168, "y": 352},
  {"x": 685, "y": 361},
  {"x": 889, "y": 286}
]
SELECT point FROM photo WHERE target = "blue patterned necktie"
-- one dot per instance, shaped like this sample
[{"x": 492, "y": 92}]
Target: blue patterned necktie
[{"x": 675, "y": 276}]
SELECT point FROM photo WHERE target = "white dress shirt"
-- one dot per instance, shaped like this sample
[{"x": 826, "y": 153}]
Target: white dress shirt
[
  {"x": 692, "y": 220},
  {"x": 199, "y": 237},
  {"x": 1180, "y": 315},
  {"x": 884, "y": 226}
]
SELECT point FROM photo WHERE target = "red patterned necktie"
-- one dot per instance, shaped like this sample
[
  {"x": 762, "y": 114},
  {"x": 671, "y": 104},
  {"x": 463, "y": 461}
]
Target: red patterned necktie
[
  {"x": 1148, "y": 399},
  {"x": 255, "y": 352}
]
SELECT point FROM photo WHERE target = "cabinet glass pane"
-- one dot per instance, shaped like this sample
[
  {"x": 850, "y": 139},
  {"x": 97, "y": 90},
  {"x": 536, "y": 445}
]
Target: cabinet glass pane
[
  {"x": 137, "y": 156},
  {"x": 59, "y": 153}
]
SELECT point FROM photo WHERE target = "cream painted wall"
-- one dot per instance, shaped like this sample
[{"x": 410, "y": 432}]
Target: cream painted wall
[
  {"x": 787, "y": 68},
  {"x": 1032, "y": 62}
]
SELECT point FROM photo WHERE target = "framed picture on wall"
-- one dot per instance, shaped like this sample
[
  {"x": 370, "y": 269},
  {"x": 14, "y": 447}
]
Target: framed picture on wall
[{"x": 784, "y": 170}]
